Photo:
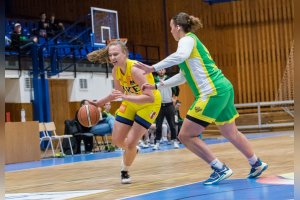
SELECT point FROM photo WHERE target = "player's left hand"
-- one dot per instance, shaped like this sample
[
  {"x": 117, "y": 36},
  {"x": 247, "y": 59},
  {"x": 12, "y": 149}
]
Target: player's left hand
[{"x": 147, "y": 86}]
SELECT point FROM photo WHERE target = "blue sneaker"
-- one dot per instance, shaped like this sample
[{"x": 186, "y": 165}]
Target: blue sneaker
[
  {"x": 257, "y": 169},
  {"x": 218, "y": 175}
]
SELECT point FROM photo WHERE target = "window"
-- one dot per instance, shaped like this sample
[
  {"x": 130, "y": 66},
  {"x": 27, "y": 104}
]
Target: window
[
  {"x": 28, "y": 83},
  {"x": 83, "y": 84}
]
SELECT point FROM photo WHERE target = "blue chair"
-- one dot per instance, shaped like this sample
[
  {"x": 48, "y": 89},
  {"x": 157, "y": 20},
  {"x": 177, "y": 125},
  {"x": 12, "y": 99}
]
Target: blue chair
[{"x": 103, "y": 129}]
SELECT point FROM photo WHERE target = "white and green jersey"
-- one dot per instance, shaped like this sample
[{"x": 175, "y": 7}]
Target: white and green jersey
[{"x": 196, "y": 66}]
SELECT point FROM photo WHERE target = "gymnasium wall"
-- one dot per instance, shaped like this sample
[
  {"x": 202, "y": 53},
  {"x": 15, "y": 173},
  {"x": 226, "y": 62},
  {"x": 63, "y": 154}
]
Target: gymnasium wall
[
  {"x": 64, "y": 94},
  {"x": 250, "y": 40}
]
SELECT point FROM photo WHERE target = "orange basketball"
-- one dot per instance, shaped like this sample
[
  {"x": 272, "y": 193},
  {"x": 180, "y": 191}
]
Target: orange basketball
[{"x": 88, "y": 115}]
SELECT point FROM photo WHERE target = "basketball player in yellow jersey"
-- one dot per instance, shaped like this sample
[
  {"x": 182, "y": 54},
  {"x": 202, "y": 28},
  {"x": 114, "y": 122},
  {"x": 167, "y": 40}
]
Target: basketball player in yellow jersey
[{"x": 138, "y": 109}]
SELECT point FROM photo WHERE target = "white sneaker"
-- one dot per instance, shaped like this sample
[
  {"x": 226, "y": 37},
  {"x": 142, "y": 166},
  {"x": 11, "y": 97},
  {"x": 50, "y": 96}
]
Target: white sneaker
[
  {"x": 141, "y": 143},
  {"x": 144, "y": 146},
  {"x": 176, "y": 145},
  {"x": 156, "y": 146}
]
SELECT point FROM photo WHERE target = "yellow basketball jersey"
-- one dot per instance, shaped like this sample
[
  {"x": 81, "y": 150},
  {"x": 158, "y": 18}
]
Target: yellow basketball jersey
[
  {"x": 145, "y": 113},
  {"x": 127, "y": 82}
]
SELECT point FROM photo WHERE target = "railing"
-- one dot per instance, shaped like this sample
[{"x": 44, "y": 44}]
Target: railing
[
  {"x": 142, "y": 53},
  {"x": 259, "y": 106}
]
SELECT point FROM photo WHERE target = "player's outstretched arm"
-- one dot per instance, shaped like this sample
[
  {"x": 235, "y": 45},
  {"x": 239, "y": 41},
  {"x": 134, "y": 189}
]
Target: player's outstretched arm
[{"x": 146, "y": 68}]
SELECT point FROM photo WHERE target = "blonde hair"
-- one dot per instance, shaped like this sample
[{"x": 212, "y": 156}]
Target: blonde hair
[
  {"x": 101, "y": 55},
  {"x": 188, "y": 23}
]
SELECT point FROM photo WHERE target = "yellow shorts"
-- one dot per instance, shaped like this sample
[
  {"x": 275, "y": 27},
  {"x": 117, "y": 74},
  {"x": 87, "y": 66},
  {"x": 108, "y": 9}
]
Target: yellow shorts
[{"x": 143, "y": 114}]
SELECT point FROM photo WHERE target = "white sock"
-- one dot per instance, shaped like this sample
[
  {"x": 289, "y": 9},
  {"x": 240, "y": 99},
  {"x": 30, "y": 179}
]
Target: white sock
[
  {"x": 252, "y": 160},
  {"x": 216, "y": 164},
  {"x": 124, "y": 167}
]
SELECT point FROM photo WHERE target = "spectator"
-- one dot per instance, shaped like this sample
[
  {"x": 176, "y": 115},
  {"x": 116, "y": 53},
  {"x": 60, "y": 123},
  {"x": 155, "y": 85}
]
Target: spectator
[
  {"x": 105, "y": 125},
  {"x": 54, "y": 27},
  {"x": 19, "y": 42},
  {"x": 43, "y": 25},
  {"x": 107, "y": 107},
  {"x": 167, "y": 110}
]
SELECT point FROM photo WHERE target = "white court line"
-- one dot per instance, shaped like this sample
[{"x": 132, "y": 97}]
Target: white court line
[{"x": 51, "y": 195}]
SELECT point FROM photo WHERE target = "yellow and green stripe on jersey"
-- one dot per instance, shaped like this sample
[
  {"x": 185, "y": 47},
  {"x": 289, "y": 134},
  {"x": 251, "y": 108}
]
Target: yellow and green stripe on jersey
[{"x": 201, "y": 72}]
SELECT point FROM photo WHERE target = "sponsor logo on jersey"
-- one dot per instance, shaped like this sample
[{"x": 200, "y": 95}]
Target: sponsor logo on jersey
[
  {"x": 198, "y": 109},
  {"x": 122, "y": 108},
  {"x": 152, "y": 115}
]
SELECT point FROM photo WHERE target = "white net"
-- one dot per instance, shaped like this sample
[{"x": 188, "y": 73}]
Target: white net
[
  {"x": 104, "y": 25},
  {"x": 286, "y": 87}
]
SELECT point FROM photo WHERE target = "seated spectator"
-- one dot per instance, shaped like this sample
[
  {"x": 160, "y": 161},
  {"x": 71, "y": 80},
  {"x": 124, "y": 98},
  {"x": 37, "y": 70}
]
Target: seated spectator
[
  {"x": 19, "y": 41},
  {"x": 105, "y": 125},
  {"x": 54, "y": 27},
  {"x": 43, "y": 25}
]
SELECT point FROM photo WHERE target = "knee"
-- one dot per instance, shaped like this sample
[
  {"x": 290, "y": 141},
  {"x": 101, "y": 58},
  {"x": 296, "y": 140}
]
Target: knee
[
  {"x": 231, "y": 135},
  {"x": 183, "y": 137},
  {"x": 131, "y": 145}
]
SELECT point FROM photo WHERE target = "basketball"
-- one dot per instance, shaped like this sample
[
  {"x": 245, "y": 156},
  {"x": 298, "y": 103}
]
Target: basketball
[{"x": 88, "y": 115}]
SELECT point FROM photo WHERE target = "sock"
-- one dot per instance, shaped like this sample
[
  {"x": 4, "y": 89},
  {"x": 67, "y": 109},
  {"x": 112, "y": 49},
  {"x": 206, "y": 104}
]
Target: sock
[
  {"x": 216, "y": 164},
  {"x": 252, "y": 160},
  {"x": 123, "y": 166}
]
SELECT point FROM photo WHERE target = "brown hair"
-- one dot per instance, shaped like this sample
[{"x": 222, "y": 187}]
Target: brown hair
[
  {"x": 101, "y": 55},
  {"x": 188, "y": 23}
]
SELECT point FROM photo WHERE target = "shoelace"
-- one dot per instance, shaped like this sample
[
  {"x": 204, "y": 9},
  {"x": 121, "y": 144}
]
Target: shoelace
[
  {"x": 125, "y": 174},
  {"x": 214, "y": 174}
]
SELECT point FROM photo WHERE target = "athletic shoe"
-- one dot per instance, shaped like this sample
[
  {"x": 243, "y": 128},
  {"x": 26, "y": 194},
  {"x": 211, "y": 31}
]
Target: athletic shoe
[
  {"x": 156, "y": 146},
  {"x": 218, "y": 175},
  {"x": 125, "y": 178},
  {"x": 257, "y": 169},
  {"x": 143, "y": 145},
  {"x": 176, "y": 145},
  {"x": 164, "y": 139}
]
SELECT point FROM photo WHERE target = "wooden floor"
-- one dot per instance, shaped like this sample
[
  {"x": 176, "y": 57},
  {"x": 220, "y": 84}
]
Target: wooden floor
[{"x": 150, "y": 172}]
